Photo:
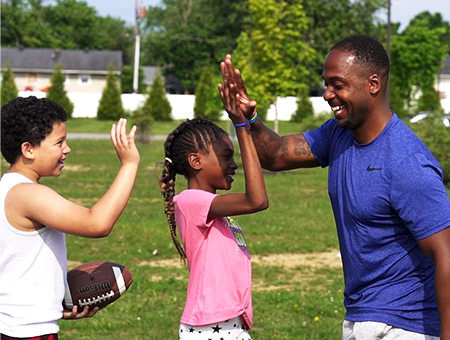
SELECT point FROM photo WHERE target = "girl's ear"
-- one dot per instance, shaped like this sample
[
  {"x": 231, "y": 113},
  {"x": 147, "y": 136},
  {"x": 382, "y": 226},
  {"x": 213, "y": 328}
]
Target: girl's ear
[
  {"x": 195, "y": 161},
  {"x": 28, "y": 150}
]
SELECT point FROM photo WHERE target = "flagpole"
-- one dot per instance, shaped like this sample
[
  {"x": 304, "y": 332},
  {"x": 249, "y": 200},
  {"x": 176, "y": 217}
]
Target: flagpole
[{"x": 136, "y": 49}]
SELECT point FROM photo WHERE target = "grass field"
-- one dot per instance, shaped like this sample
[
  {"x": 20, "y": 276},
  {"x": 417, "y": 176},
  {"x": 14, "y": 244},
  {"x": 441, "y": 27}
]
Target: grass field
[
  {"x": 297, "y": 280},
  {"x": 91, "y": 125}
]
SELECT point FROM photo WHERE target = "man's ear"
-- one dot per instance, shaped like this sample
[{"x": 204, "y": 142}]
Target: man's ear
[
  {"x": 195, "y": 161},
  {"x": 28, "y": 150},
  {"x": 374, "y": 84}
]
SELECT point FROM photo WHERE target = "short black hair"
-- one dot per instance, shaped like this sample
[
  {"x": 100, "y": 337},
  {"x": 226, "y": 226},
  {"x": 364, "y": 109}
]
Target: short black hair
[
  {"x": 27, "y": 120},
  {"x": 368, "y": 52}
]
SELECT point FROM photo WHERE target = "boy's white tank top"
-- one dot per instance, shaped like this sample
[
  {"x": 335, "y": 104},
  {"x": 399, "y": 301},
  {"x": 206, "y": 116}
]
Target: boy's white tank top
[{"x": 33, "y": 268}]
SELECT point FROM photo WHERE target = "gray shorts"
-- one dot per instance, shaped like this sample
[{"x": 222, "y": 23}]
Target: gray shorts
[{"x": 369, "y": 330}]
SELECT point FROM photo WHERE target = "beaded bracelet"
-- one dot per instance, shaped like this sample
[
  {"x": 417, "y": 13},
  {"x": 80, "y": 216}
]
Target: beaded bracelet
[
  {"x": 254, "y": 117},
  {"x": 242, "y": 124}
]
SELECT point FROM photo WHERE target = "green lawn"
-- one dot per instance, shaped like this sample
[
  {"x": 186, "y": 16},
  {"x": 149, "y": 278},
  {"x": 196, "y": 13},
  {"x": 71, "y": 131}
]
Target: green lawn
[
  {"x": 93, "y": 125},
  {"x": 294, "y": 301}
]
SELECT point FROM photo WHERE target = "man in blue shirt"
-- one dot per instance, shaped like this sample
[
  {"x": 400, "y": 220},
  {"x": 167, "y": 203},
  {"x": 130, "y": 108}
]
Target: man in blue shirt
[{"x": 391, "y": 208}]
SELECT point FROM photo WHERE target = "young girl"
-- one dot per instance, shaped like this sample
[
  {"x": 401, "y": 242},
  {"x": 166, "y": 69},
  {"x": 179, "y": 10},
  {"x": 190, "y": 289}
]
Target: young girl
[{"x": 218, "y": 303}]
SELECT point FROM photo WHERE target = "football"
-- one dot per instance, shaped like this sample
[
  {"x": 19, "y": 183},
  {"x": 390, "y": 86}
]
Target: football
[{"x": 96, "y": 284}]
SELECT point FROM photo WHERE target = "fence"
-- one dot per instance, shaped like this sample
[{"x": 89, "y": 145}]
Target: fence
[{"x": 86, "y": 104}]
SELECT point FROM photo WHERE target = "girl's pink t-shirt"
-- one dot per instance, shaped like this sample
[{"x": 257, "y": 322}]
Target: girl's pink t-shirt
[{"x": 219, "y": 262}]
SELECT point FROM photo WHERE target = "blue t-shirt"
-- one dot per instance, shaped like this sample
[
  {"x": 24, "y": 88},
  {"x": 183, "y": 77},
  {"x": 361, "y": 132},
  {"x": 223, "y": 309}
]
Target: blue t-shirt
[{"x": 385, "y": 196}]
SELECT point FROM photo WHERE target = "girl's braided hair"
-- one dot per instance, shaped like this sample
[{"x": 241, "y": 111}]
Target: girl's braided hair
[{"x": 192, "y": 136}]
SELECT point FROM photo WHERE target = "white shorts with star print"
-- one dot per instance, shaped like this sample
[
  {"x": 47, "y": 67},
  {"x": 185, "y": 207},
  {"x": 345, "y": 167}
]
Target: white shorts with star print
[{"x": 232, "y": 329}]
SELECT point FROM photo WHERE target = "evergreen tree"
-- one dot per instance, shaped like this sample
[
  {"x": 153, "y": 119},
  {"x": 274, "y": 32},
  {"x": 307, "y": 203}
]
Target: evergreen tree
[
  {"x": 305, "y": 108},
  {"x": 110, "y": 106},
  {"x": 157, "y": 105},
  {"x": 127, "y": 79},
  {"x": 208, "y": 104},
  {"x": 9, "y": 89},
  {"x": 57, "y": 92}
]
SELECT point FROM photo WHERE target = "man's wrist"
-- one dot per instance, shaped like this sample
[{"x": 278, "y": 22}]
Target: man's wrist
[{"x": 253, "y": 117}]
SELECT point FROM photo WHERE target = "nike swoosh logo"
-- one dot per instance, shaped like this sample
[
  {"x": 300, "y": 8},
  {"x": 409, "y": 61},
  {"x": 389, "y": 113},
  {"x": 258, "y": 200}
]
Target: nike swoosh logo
[{"x": 372, "y": 169}]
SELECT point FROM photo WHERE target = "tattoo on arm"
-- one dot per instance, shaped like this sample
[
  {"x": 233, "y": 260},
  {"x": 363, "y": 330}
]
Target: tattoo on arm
[
  {"x": 284, "y": 152},
  {"x": 301, "y": 147},
  {"x": 261, "y": 137},
  {"x": 273, "y": 136}
]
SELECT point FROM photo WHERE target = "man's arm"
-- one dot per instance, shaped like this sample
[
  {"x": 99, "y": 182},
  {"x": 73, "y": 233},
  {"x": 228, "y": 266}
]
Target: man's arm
[
  {"x": 275, "y": 152},
  {"x": 281, "y": 152},
  {"x": 437, "y": 247}
]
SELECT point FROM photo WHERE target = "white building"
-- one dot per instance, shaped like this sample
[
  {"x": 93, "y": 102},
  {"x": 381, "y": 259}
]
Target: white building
[{"x": 85, "y": 70}]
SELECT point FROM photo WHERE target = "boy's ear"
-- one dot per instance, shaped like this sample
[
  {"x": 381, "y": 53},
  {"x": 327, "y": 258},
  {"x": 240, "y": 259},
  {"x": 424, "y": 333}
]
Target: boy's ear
[
  {"x": 28, "y": 150},
  {"x": 195, "y": 161}
]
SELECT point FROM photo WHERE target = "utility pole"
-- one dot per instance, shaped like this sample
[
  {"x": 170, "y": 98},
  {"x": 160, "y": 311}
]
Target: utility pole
[
  {"x": 389, "y": 29},
  {"x": 136, "y": 47},
  {"x": 389, "y": 39}
]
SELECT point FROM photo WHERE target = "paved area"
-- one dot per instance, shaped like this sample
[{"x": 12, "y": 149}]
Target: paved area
[{"x": 76, "y": 135}]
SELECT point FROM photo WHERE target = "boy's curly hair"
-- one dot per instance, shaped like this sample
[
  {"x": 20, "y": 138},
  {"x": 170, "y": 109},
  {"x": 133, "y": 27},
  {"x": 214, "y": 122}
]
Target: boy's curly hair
[{"x": 27, "y": 120}]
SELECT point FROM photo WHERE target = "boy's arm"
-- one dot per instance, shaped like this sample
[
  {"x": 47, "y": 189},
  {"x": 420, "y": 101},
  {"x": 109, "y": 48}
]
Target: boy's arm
[
  {"x": 275, "y": 152},
  {"x": 31, "y": 205}
]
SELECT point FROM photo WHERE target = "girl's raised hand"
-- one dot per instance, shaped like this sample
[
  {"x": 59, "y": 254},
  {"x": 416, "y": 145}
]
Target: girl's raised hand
[{"x": 125, "y": 145}]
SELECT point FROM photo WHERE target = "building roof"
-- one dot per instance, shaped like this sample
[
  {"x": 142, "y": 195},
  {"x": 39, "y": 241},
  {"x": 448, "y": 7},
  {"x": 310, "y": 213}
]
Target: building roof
[
  {"x": 446, "y": 68},
  {"x": 150, "y": 73},
  {"x": 44, "y": 60},
  {"x": 172, "y": 84}
]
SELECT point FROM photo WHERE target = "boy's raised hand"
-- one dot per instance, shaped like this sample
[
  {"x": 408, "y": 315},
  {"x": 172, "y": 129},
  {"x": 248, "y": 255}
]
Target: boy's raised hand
[{"x": 125, "y": 145}]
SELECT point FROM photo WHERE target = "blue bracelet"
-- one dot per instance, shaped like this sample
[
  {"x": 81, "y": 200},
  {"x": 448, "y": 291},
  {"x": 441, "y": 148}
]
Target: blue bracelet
[{"x": 242, "y": 124}]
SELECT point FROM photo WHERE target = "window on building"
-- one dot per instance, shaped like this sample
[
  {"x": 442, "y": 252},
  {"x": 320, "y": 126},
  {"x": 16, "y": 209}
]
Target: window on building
[
  {"x": 84, "y": 79},
  {"x": 32, "y": 77}
]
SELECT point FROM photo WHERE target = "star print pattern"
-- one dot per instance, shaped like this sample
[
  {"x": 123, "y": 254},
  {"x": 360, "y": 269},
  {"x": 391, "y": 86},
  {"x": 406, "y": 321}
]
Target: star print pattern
[
  {"x": 233, "y": 329},
  {"x": 216, "y": 329}
]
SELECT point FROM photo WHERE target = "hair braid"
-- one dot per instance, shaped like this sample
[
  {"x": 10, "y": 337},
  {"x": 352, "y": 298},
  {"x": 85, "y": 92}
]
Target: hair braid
[
  {"x": 191, "y": 136},
  {"x": 167, "y": 184}
]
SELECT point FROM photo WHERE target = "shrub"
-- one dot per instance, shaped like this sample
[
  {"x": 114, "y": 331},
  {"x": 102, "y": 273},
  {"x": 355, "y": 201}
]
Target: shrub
[
  {"x": 110, "y": 106},
  {"x": 128, "y": 77},
  {"x": 305, "y": 108},
  {"x": 313, "y": 122},
  {"x": 57, "y": 93},
  {"x": 9, "y": 89},
  {"x": 429, "y": 101},
  {"x": 208, "y": 104},
  {"x": 143, "y": 120},
  {"x": 436, "y": 137},
  {"x": 157, "y": 105}
]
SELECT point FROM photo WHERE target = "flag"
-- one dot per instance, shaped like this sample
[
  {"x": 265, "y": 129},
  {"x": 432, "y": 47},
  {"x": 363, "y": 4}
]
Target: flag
[{"x": 141, "y": 12}]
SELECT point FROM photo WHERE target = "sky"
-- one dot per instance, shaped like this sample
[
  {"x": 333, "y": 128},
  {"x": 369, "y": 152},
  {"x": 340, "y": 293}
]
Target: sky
[{"x": 401, "y": 10}]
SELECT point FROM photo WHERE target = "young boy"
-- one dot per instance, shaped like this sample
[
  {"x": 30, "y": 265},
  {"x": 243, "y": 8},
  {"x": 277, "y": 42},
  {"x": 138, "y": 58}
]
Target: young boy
[{"x": 34, "y": 219}]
